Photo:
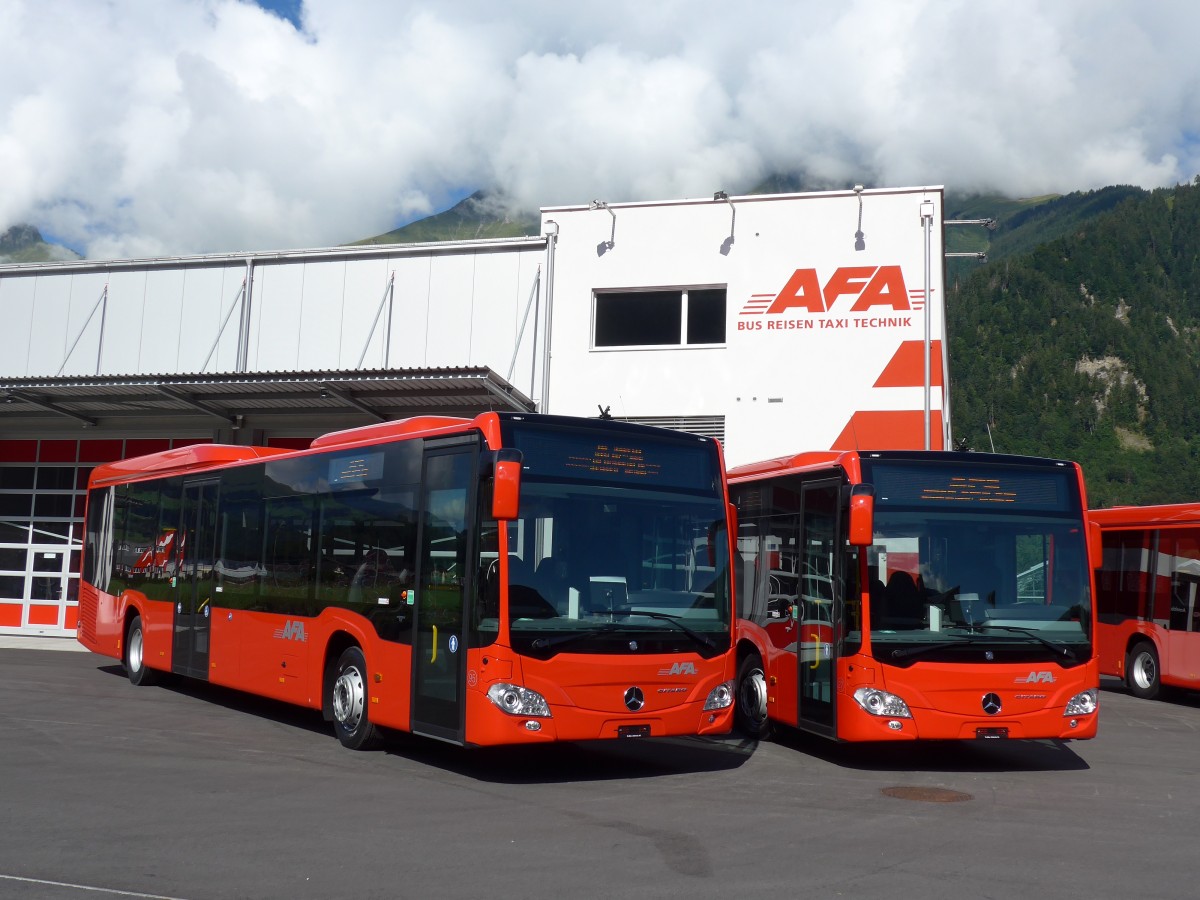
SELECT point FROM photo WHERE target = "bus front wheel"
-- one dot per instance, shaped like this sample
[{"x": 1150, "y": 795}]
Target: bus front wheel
[
  {"x": 135, "y": 654},
  {"x": 751, "y": 712},
  {"x": 1142, "y": 672},
  {"x": 348, "y": 699}
]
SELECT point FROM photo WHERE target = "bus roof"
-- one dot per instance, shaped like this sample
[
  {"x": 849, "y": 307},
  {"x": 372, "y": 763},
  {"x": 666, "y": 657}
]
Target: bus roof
[
  {"x": 194, "y": 457},
  {"x": 201, "y": 457},
  {"x": 396, "y": 429},
  {"x": 799, "y": 462},
  {"x": 1163, "y": 514},
  {"x": 850, "y": 461}
]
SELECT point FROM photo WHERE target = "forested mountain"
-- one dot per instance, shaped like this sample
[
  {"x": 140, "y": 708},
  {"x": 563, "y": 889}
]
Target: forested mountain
[{"x": 1087, "y": 345}]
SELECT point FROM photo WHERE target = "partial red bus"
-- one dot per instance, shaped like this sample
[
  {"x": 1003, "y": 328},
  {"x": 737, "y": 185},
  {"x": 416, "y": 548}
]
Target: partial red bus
[
  {"x": 889, "y": 596},
  {"x": 499, "y": 580},
  {"x": 1147, "y": 596}
]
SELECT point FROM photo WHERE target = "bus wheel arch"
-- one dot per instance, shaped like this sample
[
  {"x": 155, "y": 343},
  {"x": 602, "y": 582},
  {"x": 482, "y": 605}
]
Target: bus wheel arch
[
  {"x": 750, "y": 713},
  {"x": 1143, "y": 675},
  {"x": 347, "y": 698}
]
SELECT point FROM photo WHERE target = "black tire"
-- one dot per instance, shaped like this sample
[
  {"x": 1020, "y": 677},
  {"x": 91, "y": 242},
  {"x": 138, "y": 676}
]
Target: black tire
[
  {"x": 750, "y": 714},
  {"x": 350, "y": 701},
  {"x": 1143, "y": 676},
  {"x": 134, "y": 657}
]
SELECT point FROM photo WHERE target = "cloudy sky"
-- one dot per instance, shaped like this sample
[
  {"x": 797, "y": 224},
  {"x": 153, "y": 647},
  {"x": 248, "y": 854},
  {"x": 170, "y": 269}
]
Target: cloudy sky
[{"x": 133, "y": 128}]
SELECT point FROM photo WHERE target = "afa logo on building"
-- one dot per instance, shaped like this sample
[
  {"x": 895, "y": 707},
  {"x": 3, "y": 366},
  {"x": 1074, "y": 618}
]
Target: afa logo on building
[{"x": 852, "y": 297}]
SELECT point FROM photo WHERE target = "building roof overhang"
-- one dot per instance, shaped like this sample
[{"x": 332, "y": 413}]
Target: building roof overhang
[{"x": 230, "y": 399}]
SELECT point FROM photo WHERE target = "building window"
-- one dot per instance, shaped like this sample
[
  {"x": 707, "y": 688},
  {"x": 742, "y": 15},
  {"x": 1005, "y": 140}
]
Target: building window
[{"x": 660, "y": 318}]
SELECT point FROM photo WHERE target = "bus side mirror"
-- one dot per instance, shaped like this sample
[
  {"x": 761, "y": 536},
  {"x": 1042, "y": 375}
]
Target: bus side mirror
[
  {"x": 714, "y": 531},
  {"x": 862, "y": 515},
  {"x": 506, "y": 484},
  {"x": 1095, "y": 544}
]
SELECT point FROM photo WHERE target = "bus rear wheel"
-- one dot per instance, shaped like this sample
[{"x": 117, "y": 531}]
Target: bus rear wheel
[
  {"x": 1142, "y": 674},
  {"x": 348, "y": 699},
  {"x": 751, "y": 713},
  {"x": 135, "y": 655}
]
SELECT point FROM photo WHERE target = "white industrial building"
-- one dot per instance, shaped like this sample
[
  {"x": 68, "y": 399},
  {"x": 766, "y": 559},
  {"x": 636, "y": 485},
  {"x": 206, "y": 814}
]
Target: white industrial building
[{"x": 777, "y": 323}]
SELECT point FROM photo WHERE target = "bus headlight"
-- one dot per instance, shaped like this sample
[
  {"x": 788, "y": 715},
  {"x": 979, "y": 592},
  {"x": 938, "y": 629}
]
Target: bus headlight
[
  {"x": 518, "y": 701},
  {"x": 720, "y": 697},
  {"x": 1082, "y": 704},
  {"x": 881, "y": 703}
]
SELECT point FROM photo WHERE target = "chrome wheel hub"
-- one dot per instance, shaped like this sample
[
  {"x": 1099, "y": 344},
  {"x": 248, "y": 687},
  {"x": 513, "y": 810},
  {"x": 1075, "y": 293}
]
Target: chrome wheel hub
[
  {"x": 1143, "y": 670},
  {"x": 349, "y": 696},
  {"x": 135, "y": 651},
  {"x": 754, "y": 696}
]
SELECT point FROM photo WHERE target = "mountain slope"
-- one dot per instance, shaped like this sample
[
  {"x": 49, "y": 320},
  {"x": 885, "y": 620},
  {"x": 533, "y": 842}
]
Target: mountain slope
[
  {"x": 482, "y": 215},
  {"x": 24, "y": 244},
  {"x": 1088, "y": 345}
]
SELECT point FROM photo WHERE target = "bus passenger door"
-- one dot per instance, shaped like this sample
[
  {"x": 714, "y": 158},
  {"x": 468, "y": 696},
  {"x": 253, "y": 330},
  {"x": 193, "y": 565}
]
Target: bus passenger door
[
  {"x": 443, "y": 584},
  {"x": 194, "y": 578},
  {"x": 817, "y": 608}
]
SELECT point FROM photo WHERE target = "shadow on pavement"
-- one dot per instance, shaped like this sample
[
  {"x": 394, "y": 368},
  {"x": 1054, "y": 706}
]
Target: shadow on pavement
[
  {"x": 939, "y": 756},
  {"x": 579, "y": 761},
  {"x": 526, "y": 764}
]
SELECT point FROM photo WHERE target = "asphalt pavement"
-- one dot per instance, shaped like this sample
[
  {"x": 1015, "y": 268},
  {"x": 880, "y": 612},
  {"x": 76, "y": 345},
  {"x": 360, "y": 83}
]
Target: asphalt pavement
[{"x": 191, "y": 792}]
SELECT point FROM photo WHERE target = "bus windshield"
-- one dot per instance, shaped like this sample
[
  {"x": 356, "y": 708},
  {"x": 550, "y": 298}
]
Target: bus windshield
[
  {"x": 988, "y": 577},
  {"x": 597, "y": 571}
]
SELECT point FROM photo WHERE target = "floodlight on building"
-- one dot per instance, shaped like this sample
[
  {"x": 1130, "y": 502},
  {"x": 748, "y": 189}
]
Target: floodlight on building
[
  {"x": 604, "y": 246},
  {"x": 727, "y": 244}
]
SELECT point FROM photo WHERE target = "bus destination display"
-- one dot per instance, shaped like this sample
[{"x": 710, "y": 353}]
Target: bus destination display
[
  {"x": 352, "y": 470},
  {"x": 970, "y": 489},
  {"x": 1015, "y": 489},
  {"x": 610, "y": 459},
  {"x": 668, "y": 462}
]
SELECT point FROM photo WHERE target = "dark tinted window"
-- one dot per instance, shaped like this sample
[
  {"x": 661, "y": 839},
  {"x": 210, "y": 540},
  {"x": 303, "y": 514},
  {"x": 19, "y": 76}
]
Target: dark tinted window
[
  {"x": 16, "y": 479},
  {"x": 706, "y": 317},
  {"x": 57, "y": 478},
  {"x": 12, "y": 558},
  {"x": 658, "y": 318},
  {"x": 15, "y": 504},
  {"x": 58, "y": 505},
  {"x": 640, "y": 318}
]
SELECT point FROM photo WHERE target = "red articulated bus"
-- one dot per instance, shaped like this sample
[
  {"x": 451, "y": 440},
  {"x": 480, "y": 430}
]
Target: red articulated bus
[
  {"x": 499, "y": 580},
  {"x": 908, "y": 595},
  {"x": 1147, "y": 596}
]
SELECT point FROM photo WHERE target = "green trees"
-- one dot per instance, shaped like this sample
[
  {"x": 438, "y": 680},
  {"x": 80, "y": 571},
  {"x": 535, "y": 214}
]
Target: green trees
[{"x": 1087, "y": 346}]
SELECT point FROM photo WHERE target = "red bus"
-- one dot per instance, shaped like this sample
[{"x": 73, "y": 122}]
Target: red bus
[
  {"x": 499, "y": 580},
  {"x": 909, "y": 595},
  {"x": 1147, "y": 596}
]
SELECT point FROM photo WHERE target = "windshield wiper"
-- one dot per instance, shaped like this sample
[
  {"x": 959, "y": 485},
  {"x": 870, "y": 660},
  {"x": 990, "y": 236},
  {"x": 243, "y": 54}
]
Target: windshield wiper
[
  {"x": 1061, "y": 649},
  {"x": 556, "y": 641},
  {"x": 549, "y": 643},
  {"x": 906, "y": 652},
  {"x": 701, "y": 639}
]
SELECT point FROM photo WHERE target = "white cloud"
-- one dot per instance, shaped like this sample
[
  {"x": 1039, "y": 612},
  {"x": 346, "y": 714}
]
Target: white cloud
[{"x": 144, "y": 127}]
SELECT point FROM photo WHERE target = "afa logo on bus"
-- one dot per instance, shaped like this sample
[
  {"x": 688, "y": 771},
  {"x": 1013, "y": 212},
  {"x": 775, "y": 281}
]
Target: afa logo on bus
[{"x": 853, "y": 289}]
